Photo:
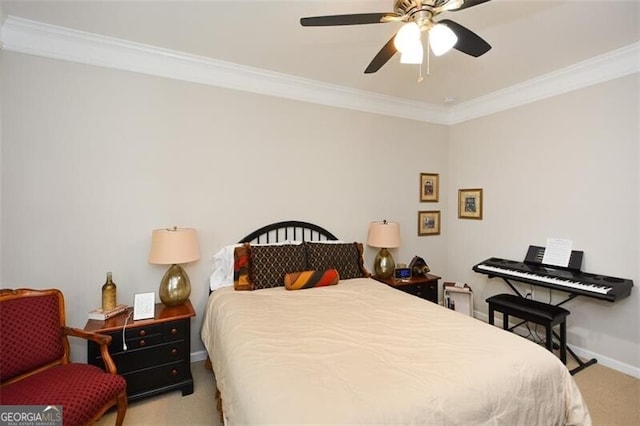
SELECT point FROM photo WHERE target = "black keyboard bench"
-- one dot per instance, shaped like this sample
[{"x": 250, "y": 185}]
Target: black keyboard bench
[{"x": 531, "y": 310}]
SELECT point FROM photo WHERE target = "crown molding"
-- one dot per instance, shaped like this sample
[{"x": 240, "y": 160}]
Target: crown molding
[
  {"x": 25, "y": 36},
  {"x": 615, "y": 64}
]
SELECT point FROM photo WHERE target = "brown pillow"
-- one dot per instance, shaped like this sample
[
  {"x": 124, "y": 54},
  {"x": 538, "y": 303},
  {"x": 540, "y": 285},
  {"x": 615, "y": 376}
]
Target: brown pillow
[
  {"x": 309, "y": 279},
  {"x": 347, "y": 258},
  {"x": 269, "y": 264},
  {"x": 241, "y": 279}
]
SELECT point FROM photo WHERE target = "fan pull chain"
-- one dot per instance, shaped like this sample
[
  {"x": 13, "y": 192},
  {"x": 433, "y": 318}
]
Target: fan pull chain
[
  {"x": 428, "y": 55},
  {"x": 420, "y": 77}
]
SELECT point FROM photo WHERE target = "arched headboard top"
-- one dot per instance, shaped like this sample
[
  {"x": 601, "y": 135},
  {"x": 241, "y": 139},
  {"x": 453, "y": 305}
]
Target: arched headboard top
[{"x": 288, "y": 230}]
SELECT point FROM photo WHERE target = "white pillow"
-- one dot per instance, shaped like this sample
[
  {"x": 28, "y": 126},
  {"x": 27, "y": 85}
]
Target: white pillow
[{"x": 222, "y": 275}]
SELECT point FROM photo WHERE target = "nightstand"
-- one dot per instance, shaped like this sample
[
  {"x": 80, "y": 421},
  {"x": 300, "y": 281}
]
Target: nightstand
[
  {"x": 425, "y": 287},
  {"x": 157, "y": 357}
]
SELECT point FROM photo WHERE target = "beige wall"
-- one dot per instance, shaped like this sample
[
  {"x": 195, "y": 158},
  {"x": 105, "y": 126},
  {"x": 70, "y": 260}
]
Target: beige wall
[
  {"x": 563, "y": 167},
  {"x": 93, "y": 159}
]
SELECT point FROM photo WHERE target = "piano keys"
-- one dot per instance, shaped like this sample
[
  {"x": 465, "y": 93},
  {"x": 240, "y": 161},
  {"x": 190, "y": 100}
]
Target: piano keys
[{"x": 571, "y": 281}]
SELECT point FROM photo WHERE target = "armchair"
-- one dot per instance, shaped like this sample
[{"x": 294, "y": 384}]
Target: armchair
[{"x": 35, "y": 360}]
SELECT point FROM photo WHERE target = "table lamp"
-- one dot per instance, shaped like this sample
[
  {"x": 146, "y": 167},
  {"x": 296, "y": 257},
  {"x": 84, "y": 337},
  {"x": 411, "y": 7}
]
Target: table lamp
[
  {"x": 384, "y": 235},
  {"x": 173, "y": 247}
]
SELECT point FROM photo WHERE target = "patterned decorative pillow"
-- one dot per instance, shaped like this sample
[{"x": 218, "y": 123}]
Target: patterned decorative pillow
[
  {"x": 241, "y": 279},
  {"x": 309, "y": 279},
  {"x": 347, "y": 258},
  {"x": 269, "y": 264}
]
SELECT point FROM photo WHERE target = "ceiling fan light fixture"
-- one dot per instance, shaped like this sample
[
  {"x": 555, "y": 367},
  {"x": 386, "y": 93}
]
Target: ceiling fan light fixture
[
  {"x": 453, "y": 4},
  {"x": 407, "y": 36},
  {"x": 441, "y": 39},
  {"x": 413, "y": 54}
]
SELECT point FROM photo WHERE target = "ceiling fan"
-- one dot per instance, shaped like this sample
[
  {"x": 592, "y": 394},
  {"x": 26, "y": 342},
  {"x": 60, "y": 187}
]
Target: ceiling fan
[{"x": 418, "y": 16}]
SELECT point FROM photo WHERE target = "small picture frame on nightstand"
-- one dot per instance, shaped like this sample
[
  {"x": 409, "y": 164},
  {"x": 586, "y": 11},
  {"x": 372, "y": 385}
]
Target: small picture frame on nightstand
[{"x": 144, "y": 306}]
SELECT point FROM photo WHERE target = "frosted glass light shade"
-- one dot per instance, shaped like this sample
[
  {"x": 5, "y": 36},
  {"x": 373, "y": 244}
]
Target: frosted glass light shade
[
  {"x": 406, "y": 36},
  {"x": 441, "y": 39},
  {"x": 412, "y": 55}
]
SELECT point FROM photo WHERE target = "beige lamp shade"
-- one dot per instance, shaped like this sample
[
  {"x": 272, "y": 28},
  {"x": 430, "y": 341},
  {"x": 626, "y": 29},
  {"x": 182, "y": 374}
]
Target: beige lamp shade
[
  {"x": 384, "y": 234},
  {"x": 174, "y": 246}
]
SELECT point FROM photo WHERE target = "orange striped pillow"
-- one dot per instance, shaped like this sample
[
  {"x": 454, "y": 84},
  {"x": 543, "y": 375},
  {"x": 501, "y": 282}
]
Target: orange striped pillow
[{"x": 309, "y": 279}]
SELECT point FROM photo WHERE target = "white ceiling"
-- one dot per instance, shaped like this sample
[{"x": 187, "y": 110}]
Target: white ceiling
[{"x": 529, "y": 38}]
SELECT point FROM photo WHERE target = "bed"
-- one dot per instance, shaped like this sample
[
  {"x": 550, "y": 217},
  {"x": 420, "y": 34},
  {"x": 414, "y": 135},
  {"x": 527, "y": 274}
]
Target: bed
[{"x": 356, "y": 351}]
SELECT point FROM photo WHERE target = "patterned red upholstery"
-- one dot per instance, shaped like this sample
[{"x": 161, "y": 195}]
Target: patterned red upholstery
[
  {"x": 81, "y": 389},
  {"x": 33, "y": 340},
  {"x": 34, "y": 360}
]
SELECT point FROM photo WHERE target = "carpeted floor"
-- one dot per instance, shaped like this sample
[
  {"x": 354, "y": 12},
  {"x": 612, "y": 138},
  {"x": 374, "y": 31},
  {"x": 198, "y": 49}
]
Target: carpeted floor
[{"x": 613, "y": 399}]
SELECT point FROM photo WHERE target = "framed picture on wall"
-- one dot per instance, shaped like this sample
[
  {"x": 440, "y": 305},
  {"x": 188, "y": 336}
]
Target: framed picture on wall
[
  {"x": 470, "y": 203},
  {"x": 429, "y": 222},
  {"x": 429, "y": 187}
]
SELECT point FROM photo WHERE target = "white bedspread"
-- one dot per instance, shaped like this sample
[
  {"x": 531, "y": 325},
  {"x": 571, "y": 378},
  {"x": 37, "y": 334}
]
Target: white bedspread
[{"x": 363, "y": 353}]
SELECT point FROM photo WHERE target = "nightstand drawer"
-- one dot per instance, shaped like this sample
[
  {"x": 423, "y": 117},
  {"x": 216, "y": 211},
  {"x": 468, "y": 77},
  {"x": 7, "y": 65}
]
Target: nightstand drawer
[
  {"x": 143, "y": 332},
  {"x": 173, "y": 330},
  {"x": 135, "y": 359},
  {"x": 156, "y": 377}
]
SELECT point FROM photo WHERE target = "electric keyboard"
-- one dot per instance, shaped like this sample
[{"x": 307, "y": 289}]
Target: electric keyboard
[{"x": 570, "y": 281}]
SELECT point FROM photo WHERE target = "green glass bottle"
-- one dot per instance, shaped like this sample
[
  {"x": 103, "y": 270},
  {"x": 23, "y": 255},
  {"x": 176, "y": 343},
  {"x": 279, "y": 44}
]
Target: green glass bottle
[{"x": 108, "y": 294}]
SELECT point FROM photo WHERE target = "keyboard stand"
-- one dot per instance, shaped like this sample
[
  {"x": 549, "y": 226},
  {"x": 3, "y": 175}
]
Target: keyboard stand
[{"x": 581, "y": 364}]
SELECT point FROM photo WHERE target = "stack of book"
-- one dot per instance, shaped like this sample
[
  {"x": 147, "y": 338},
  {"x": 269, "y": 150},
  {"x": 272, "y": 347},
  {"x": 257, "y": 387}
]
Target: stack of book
[{"x": 102, "y": 315}]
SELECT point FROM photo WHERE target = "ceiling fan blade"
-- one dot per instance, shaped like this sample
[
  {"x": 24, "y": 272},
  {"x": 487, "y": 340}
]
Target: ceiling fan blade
[
  {"x": 353, "y": 19},
  {"x": 383, "y": 56},
  {"x": 468, "y": 41},
  {"x": 467, "y": 4}
]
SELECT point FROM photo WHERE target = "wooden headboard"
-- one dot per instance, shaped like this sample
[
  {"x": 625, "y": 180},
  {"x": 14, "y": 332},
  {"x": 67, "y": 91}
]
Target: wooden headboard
[{"x": 289, "y": 230}]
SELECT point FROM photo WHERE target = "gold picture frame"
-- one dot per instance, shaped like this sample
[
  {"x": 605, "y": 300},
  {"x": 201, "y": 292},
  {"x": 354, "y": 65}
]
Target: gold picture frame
[
  {"x": 429, "y": 187},
  {"x": 429, "y": 222},
  {"x": 470, "y": 203}
]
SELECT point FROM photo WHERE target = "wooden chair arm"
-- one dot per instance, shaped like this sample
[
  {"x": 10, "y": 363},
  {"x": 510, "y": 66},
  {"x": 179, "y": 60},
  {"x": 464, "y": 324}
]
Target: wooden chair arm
[{"x": 101, "y": 339}]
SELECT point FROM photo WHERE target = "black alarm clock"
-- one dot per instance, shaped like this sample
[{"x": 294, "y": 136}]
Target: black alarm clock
[{"x": 402, "y": 273}]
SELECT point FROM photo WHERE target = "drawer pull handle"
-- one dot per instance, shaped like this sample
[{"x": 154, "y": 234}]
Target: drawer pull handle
[
  {"x": 174, "y": 352},
  {"x": 174, "y": 331},
  {"x": 142, "y": 343},
  {"x": 174, "y": 372},
  {"x": 142, "y": 333}
]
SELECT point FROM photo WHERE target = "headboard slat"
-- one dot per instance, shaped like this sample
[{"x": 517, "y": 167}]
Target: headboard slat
[{"x": 280, "y": 231}]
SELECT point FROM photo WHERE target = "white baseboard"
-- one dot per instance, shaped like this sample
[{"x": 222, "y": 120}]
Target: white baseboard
[
  {"x": 586, "y": 354},
  {"x": 198, "y": 356}
]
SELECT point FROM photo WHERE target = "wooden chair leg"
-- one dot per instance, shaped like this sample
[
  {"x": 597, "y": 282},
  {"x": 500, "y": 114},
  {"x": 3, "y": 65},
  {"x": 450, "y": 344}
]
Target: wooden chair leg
[{"x": 122, "y": 408}]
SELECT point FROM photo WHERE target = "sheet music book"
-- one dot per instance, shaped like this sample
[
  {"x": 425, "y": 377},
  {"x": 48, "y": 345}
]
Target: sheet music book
[{"x": 557, "y": 252}]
